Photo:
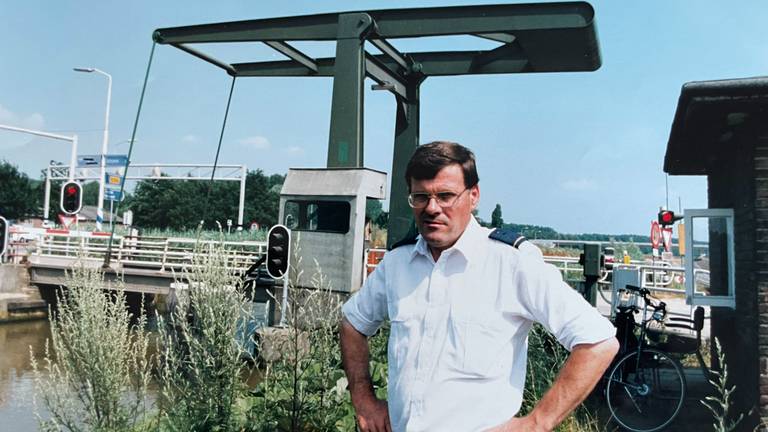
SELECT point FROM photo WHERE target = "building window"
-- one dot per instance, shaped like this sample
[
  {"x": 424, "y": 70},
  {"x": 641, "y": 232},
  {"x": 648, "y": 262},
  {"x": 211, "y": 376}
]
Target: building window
[
  {"x": 709, "y": 258},
  {"x": 322, "y": 216}
]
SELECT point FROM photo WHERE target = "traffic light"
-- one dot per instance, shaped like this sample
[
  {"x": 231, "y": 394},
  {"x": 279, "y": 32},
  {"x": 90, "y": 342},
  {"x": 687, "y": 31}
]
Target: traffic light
[
  {"x": 667, "y": 217},
  {"x": 71, "y": 197},
  {"x": 3, "y": 235},
  {"x": 592, "y": 259},
  {"x": 278, "y": 251}
]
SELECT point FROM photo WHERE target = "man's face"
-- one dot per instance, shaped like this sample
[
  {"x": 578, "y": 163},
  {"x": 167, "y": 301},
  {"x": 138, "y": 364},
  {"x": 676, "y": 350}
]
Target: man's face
[{"x": 439, "y": 226}]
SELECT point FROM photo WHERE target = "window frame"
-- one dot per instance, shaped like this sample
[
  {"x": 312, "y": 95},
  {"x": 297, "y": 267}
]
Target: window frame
[
  {"x": 305, "y": 203},
  {"x": 691, "y": 297}
]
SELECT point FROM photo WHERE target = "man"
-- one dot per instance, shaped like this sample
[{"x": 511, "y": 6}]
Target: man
[{"x": 460, "y": 306}]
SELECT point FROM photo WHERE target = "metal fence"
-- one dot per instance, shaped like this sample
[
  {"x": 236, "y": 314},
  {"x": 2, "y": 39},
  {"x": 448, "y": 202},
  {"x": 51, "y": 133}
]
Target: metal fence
[{"x": 157, "y": 253}]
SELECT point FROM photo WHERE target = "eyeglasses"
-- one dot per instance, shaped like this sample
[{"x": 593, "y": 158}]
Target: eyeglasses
[{"x": 420, "y": 200}]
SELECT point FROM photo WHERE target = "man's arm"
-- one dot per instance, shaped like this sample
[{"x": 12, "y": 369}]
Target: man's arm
[
  {"x": 579, "y": 374},
  {"x": 372, "y": 413}
]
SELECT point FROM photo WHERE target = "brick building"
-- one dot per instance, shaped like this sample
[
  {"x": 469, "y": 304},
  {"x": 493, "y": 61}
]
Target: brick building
[{"x": 720, "y": 130}]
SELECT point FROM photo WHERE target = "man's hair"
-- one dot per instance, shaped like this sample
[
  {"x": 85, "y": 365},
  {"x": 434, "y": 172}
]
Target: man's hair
[{"x": 429, "y": 159}]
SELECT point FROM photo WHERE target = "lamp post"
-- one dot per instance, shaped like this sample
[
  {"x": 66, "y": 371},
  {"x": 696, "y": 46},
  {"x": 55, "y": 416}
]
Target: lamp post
[{"x": 104, "y": 144}]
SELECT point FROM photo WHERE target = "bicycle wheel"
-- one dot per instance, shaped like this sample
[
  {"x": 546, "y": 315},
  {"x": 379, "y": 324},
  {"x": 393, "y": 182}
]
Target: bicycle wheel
[{"x": 645, "y": 394}]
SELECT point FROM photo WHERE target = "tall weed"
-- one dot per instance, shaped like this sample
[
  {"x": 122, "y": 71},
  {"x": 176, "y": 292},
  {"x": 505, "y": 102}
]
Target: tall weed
[
  {"x": 720, "y": 403},
  {"x": 298, "y": 386},
  {"x": 304, "y": 388},
  {"x": 94, "y": 372},
  {"x": 202, "y": 350}
]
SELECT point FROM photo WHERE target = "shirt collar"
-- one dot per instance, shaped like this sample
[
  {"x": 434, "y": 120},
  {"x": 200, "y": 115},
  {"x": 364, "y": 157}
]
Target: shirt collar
[{"x": 466, "y": 245}]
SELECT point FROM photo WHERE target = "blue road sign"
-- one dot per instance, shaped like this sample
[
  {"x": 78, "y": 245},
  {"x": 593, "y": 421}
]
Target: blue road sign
[
  {"x": 84, "y": 161},
  {"x": 112, "y": 195}
]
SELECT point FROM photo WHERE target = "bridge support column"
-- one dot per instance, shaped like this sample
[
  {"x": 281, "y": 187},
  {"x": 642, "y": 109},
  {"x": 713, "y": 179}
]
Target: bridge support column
[
  {"x": 406, "y": 141},
  {"x": 345, "y": 144}
]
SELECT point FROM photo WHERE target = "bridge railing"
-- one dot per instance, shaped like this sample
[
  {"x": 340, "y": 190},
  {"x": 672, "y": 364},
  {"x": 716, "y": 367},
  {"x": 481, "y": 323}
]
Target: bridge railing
[
  {"x": 156, "y": 253},
  {"x": 175, "y": 254}
]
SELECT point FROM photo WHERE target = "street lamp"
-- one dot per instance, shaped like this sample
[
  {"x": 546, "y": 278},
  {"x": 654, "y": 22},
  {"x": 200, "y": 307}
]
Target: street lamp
[{"x": 104, "y": 145}]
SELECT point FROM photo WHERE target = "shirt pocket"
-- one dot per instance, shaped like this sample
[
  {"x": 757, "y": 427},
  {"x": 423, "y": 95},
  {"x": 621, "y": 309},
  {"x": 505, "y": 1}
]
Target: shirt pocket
[
  {"x": 399, "y": 339},
  {"x": 482, "y": 347},
  {"x": 403, "y": 324}
]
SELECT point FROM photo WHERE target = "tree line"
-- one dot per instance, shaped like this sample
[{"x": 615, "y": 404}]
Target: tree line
[{"x": 545, "y": 232}]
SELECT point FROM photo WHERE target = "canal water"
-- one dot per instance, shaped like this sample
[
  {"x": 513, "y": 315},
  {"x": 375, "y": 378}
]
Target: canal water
[
  {"x": 17, "y": 408},
  {"x": 17, "y": 411}
]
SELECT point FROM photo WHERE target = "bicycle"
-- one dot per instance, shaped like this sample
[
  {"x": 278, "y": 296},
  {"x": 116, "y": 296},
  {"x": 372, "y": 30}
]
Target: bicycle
[{"x": 646, "y": 387}]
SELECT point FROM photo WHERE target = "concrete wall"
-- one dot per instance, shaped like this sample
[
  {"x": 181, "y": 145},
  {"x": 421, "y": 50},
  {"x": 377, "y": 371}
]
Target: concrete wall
[
  {"x": 19, "y": 300},
  {"x": 14, "y": 278}
]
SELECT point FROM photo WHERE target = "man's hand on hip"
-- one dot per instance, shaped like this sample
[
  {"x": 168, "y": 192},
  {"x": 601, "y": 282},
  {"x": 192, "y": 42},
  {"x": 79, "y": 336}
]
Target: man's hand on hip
[{"x": 373, "y": 416}]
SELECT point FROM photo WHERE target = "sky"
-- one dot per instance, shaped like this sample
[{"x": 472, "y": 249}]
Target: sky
[{"x": 580, "y": 152}]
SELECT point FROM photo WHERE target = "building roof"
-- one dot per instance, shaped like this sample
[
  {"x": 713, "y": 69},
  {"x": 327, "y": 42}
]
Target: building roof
[{"x": 709, "y": 115}]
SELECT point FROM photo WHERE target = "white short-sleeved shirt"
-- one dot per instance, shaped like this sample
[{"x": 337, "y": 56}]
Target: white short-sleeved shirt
[{"x": 458, "y": 343}]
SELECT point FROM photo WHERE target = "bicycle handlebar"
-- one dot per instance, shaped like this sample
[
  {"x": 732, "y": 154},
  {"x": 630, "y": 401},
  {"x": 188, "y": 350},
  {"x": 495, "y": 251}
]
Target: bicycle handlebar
[
  {"x": 642, "y": 291},
  {"x": 646, "y": 294}
]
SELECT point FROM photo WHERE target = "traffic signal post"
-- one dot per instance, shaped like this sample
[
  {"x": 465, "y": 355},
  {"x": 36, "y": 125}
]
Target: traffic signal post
[
  {"x": 278, "y": 261},
  {"x": 3, "y": 236},
  {"x": 593, "y": 261}
]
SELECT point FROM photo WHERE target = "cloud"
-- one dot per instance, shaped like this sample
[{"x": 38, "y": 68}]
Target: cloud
[
  {"x": 190, "y": 138},
  {"x": 295, "y": 150},
  {"x": 255, "y": 143},
  {"x": 579, "y": 185},
  {"x": 11, "y": 139}
]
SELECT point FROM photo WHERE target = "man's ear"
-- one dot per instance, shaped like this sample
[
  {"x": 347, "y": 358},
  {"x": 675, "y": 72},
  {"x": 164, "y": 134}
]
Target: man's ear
[{"x": 474, "y": 196}]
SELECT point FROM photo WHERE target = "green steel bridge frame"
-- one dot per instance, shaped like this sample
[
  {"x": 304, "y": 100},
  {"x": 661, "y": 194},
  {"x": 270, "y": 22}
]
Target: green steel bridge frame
[{"x": 548, "y": 37}]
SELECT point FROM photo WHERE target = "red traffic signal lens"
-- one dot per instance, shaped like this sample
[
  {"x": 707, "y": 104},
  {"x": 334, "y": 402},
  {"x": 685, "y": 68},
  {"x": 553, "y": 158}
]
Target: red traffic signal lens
[
  {"x": 71, "y": 190},
  {"x": 667, "y": 217}
]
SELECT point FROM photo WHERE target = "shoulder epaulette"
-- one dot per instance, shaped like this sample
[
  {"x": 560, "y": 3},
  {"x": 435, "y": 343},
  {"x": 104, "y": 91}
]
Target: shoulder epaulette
[{"x": 507, "y": 236}]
